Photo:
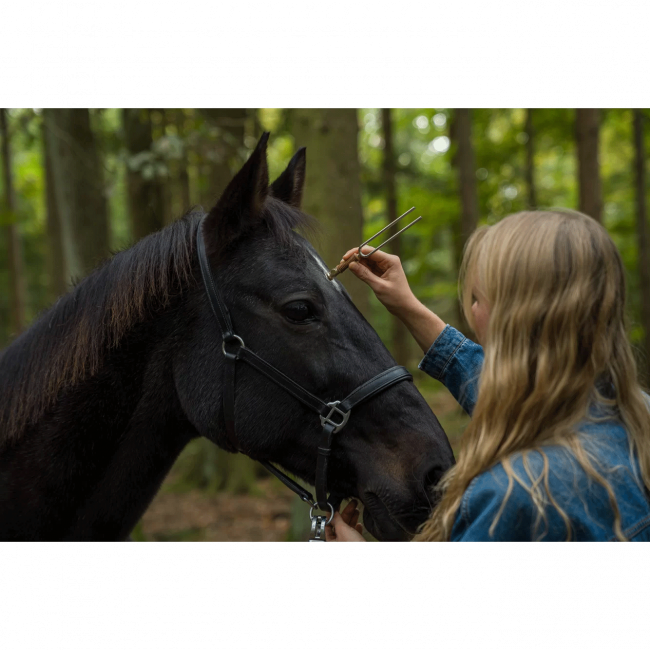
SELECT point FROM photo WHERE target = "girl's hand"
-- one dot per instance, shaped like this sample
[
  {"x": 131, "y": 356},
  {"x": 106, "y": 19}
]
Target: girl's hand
[
  {"x": 345, "y": 527},
  {"x": 385, "y": 276}
]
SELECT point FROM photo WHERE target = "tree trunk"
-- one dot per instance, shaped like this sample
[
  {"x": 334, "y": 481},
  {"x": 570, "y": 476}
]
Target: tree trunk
[
  {"x": 587, "y": 129},
  {"x": 57, "y": 272},
  {"x": 333, "y": 186},
  {"x": 399, "y": 334},
  {"x": 464, "y": 160},
  {"x": 642, "y": 236},
  {"x": 240, "y": 474},
  {"x": 17, "y": 291},
  {"x": 230, "y": 127},
  {"x": 78, "y": 188},
  {"x": 530, "y": 161},
  {"x": 254, "y": 116},
  {"x": 145, "y": 195},
  {"x": 183, "y": 174},
  {"x": 166, "y": 181}
]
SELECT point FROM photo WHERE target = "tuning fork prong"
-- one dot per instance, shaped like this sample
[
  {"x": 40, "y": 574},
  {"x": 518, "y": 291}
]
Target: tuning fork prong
[
  {"x": 359, "y": 255},
  {"x": 399, "y": 232},
  {"x": 386, "y": 227}
]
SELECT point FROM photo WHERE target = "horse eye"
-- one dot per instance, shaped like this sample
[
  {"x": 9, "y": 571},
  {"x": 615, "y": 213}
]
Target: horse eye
[{"x": 298, "y": 311}]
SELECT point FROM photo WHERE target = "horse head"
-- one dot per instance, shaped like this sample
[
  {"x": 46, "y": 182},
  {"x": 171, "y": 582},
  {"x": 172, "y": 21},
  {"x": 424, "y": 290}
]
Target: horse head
[{"x": 393, "y": 449}]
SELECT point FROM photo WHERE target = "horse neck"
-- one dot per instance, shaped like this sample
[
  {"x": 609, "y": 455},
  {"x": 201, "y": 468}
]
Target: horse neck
[{"x": 95, "y": 459}]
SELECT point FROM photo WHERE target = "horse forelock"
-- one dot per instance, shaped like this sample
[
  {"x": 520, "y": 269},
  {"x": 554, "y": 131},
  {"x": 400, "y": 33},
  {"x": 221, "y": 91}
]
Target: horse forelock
[{"x": 283, "y": 220}]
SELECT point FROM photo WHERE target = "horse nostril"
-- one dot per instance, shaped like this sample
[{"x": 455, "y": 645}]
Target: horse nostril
[{"x": 433, "y": 476}]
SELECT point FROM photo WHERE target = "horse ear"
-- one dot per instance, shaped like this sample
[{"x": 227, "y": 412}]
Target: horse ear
[
  {"x": 288, "y": 186},
  {"x": 240, "y": 206}
]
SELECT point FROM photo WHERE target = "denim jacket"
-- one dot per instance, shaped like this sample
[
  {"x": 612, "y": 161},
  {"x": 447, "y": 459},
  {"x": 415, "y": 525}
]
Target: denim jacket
[{"x": 456, "y": 362}]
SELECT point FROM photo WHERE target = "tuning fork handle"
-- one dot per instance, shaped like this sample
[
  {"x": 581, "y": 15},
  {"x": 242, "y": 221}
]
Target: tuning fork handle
[{"x": 337, "y": 270}]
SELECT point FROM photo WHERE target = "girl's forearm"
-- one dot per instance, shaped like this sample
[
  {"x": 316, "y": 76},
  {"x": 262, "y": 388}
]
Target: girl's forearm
[{"x": 424, "y": 325}]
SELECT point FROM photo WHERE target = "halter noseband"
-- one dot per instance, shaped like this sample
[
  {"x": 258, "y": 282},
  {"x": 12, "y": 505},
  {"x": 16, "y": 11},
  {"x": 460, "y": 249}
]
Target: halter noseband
[{"x": 333, "y": 415}]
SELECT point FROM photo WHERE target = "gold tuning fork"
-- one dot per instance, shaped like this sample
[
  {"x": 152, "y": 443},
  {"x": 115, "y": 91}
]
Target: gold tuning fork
[{"x": 363, "y": 256}]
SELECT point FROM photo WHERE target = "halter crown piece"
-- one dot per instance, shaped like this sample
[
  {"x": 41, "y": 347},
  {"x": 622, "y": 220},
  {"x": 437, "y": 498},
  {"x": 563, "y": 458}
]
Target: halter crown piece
[{"x": 333, "y": 415}]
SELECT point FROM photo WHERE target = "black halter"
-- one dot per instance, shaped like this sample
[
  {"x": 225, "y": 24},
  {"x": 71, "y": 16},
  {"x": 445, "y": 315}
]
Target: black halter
[{"x": 333, "y": 415}]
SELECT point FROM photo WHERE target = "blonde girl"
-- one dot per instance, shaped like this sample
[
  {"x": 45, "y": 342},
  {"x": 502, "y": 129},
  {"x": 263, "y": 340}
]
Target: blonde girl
[{"x": 558, "y": 446}]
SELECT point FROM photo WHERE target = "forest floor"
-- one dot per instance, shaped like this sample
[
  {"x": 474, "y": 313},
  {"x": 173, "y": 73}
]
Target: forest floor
[
  {"x": 263, "y": 515},
  {"x": 197, "y": 516}
]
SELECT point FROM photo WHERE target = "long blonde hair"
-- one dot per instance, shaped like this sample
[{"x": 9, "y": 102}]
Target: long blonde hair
[{"x": 556, "y": 340}]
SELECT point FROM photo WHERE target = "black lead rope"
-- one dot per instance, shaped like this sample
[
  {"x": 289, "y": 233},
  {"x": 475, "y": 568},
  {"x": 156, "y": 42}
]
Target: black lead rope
[{"x": 333, "y": 415}]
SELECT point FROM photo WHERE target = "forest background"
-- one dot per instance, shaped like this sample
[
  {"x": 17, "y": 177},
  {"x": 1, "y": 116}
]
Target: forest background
[{"x": 77, "y": 184}]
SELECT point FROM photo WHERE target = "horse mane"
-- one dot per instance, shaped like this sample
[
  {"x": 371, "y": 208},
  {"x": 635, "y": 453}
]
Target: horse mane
[{"x": 69, "y": 342}]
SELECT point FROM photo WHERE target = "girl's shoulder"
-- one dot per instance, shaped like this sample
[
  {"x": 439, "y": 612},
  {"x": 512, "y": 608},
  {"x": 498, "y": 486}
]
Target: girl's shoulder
[{"x": 539, "y": 494}]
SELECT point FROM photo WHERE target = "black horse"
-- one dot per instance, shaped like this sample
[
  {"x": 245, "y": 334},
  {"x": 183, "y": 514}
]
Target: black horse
[{"x": 101, "y": 394}]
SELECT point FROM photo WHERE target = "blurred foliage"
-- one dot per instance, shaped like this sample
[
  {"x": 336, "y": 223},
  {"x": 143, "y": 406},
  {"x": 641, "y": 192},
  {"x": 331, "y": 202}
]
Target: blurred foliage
[{"x": 426, "y": 179}]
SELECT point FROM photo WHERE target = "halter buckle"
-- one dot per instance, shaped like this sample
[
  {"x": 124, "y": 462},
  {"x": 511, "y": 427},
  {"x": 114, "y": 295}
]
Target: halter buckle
[
  {"x": 229, "y": 339},
  {"x": 327, "y": 419}
]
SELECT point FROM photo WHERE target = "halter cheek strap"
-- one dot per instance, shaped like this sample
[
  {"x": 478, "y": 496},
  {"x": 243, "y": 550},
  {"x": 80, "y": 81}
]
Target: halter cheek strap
[{"x": 333, "y": 415}]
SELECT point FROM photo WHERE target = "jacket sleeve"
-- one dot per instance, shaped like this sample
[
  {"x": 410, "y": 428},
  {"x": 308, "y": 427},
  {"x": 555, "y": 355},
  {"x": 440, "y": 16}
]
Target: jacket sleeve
[{"x": 455, "y": 361}]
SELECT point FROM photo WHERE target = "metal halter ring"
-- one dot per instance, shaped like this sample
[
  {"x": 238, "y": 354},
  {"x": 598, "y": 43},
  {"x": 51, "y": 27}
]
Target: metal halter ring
[
  {"x": 232, "y": 337},
  {"x": 327, "y": 419},
  {"x": 311, "y": 512}
]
